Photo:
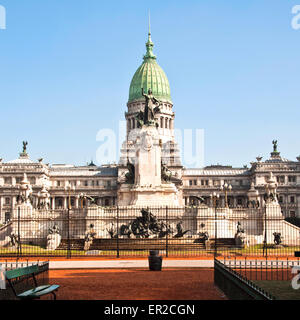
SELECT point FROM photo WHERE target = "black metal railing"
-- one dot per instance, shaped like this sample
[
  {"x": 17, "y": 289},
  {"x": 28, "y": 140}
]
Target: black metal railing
[
  {"x": 236, "y": 286},
  {"x": 129, "y": 231}
]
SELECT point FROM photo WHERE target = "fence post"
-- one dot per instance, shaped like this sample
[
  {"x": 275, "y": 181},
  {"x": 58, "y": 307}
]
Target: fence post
[
  {"x": 265, "y": 240},
  {"x": 118, "y": 249},
  {"x": 68, "y": 235},
  {"x": 167, "y": 235},
  {"x": 19, "y": 236}
]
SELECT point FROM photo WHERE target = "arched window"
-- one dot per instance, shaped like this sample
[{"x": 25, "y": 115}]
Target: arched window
[
  {"x": 166, "y": 123},
  {"x": 161, "y": 122}
]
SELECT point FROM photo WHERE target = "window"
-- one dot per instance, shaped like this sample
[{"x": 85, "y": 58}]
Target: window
[
  {"x": 280, "y": 199},
  {"x": 292, "y": 179},
  {"x": 18, "y": 180},
  {"x": 7, "y": 181},
  {"x": 58, "y": 183},
  {"x": 191, "y": 182},
  {"x": 292, "y": 199},
  {"x": 7, "y": 201},
  {"x": 86, "y": 183},
  {"x": 280, "y": 179},
  {"x": 292, "y": 214},
  {"x": 7, "y": 217},
  {"x": 32, "y": 180}
]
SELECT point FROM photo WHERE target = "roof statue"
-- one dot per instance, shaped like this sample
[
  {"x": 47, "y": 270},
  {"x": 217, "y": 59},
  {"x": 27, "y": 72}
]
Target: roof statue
[
  {"x": 25, "y": 144},
  {"x": 275, "y": 145}
]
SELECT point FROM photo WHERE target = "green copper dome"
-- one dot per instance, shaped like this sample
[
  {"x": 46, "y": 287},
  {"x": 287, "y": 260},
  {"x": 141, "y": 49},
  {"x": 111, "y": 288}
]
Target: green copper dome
[{"x": 150, "y": 76}]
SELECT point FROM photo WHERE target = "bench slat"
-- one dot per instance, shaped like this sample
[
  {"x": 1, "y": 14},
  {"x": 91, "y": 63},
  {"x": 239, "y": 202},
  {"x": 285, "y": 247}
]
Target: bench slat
[
  {"x": 38, "y": 292},
  {"x": 11, "y": 274}
]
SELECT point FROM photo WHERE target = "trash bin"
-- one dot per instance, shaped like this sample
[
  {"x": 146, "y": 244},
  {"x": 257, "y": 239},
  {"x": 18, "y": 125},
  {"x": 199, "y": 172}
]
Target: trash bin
[{"x": 155, "y": 261}]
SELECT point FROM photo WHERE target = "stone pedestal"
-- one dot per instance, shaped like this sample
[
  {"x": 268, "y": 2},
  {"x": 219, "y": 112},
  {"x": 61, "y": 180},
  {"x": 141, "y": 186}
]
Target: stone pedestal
[
  {"x": 273, "y": 221},
  {"x": 53, "y": 241},
  {"x": 148, "y": 188}
]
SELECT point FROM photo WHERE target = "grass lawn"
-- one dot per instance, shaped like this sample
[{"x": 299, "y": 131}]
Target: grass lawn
[
  {"x": 281, "y": 290},
  {"x": 256, "y": 250}
]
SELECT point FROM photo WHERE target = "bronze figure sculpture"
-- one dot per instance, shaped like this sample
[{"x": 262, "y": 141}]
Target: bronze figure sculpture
[
  {"x": 151, "y": 108},
  {"x": 25, "y": 144}
]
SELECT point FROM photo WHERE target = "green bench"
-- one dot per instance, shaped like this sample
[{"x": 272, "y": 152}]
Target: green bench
[{"x": 37, "y": 291}]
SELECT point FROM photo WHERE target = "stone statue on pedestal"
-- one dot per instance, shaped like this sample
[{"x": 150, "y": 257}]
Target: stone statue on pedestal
[
  {"x": 14, "y": 241},
  {"x": 53, "y": 238},
  {"x": 239, "y": 236},
  {"x": 166, "y": 174},
  {"x": 89, "y": 238},
  {"x": 129, "y": 176},
  {"x": 277, "y": 238}
]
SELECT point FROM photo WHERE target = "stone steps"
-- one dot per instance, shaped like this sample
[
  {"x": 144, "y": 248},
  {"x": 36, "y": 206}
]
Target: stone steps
[{"x": 145, "y": 244}]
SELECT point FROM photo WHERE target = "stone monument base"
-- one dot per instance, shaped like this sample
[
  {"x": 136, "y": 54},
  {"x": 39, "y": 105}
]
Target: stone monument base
[{"x": 163, "y": 195}]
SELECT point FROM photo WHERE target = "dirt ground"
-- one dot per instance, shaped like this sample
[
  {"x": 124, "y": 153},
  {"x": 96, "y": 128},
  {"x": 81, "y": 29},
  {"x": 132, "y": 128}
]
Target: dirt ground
[{"x": 135, "y": 284}]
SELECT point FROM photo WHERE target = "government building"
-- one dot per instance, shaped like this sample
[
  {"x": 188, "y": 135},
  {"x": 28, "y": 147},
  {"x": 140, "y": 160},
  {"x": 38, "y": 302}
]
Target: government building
[{"x": 60, "y": 184}]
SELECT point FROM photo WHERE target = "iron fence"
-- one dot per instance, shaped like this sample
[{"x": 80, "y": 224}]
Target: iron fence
[
  {"x": 132, "y": 232},
  {"x": 264, "y": 270},
  {"x": 235, "y": 285}
]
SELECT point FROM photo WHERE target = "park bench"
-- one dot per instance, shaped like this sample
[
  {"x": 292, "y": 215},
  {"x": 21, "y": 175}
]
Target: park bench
[{"x": 37, "y": 291}]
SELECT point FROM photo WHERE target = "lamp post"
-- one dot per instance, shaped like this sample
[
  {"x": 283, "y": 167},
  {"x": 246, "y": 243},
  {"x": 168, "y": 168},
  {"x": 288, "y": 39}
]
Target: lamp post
[
  {"x": 226, "y": 188},
  {"x": 69, "y": 189},
  {"x": 267, "y": 199},
  {"x": 215, "y": 199}
]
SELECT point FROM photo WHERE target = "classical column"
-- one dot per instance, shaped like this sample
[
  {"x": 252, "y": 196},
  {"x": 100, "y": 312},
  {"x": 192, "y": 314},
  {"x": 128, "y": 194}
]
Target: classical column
[
  {"x": 76, "y": 202},
  {"x": 65, "y": 202},
  {"x": 234, "y": 202},
  {"x": 53, "y": 203}
]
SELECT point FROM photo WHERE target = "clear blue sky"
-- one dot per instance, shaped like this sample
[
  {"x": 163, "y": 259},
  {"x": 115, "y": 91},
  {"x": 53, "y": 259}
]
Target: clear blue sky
[{"x": 66, "y": 68}]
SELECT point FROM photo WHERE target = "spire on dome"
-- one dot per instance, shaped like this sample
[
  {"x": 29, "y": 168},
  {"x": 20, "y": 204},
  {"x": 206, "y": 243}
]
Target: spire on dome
[{"x": 149, "y": 44}]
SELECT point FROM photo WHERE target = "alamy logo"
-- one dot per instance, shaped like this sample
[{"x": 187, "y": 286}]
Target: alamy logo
[
  {"x": 2, "y": 17},
  {"x": 296, "y": 19},
  {"x": 295, "y": 280}
]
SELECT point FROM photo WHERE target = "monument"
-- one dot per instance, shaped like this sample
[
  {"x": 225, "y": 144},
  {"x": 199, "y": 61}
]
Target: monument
[{"x": 148, "y": 180}]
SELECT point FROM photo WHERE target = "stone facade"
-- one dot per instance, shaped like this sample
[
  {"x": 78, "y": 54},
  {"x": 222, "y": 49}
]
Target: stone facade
[{"x": 101, "y": 183}]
